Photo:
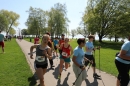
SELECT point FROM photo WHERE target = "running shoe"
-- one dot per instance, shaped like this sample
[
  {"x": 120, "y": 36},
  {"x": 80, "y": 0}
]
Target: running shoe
[{"x": 95, "y": 75}]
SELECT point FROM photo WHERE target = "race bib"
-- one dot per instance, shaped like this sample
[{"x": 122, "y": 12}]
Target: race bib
[
  {"x": 40, "y": 58},
  {"x": 64, "y": 54}
]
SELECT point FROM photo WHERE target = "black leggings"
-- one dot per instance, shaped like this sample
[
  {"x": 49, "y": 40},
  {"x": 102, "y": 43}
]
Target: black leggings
[
  {"x": 91, "y": 58},
  {"x": 123, "y": 75},
  {"x": 51, "y": 62}
]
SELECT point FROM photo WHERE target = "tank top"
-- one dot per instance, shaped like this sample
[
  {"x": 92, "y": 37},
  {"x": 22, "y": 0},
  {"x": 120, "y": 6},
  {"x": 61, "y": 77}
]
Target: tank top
[
  {"x": 65, "y": 51},
  {"x": 41, "y": 59}
]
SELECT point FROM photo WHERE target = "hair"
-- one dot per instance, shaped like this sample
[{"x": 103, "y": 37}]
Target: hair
[
  {"x": 0, "y": 31},
  {"x": 48, "y": 33},
  {"x": 49, "y": 42},
  {"x": 67, "y": 38},
  {"x": 80, "y": 40},
  {"x": 91, "y": 36}
]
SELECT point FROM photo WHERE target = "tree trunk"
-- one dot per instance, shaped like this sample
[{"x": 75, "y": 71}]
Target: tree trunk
[{"x": 100, "y": 38}]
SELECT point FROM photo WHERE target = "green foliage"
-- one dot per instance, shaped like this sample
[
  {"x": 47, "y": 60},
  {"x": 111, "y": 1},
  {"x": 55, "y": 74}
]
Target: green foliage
[
  {"x": 53, "y": 21},
  {"x": 12, "y": 31},
  {"x": 24, "y": 32},
  {"x": 73, "y": 32},
  {"x": 57, "y": 19},
  {"x": 107, "y": 17},
  {"x": 36, "y": 21},
  {"x": 3, "y": 22},
  {"x": 11, "y": 19}
]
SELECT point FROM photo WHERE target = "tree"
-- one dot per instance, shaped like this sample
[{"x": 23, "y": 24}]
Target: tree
[
  {"x": 3, "y": 23},
  {"x": 101, "y": 16},
  {"x": 57, "y": 19},
  {"x": 36, "y": 20},
  {"x": 11, "y": 18},
  {"x": 24, "y": 32},
  {"x": 73, "y": 33},
  {"x": 12, "y": 31}
]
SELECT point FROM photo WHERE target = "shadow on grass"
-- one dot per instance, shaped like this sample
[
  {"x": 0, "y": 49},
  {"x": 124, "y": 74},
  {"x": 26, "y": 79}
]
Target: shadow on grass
[
  {"x": 94, "y": 83},
  {"x": 111, "y": 45},
  {"x": 32, "y": 80}
]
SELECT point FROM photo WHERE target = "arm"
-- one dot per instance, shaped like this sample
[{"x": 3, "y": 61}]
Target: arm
[
  {"x": 31, "y": 50},
  {"x": 71, "y": 49},
  {"x": 49, "y": 55},
  {"x": 123, "y": 55},
  {"x": 88, "y": 50}
]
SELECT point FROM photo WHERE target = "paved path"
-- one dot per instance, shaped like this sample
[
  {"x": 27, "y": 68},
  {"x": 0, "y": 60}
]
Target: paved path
[{"x": 68, "y": 76}]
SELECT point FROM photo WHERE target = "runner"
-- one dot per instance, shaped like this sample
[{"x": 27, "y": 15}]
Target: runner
[
  {"x": 122, "y": 62},
  {"x": 78, "y": 62},
  {"x": 61, "y": 41},
  {"x": 55, "y": 42},
  {"x": 2, "y": 41},
  {"x": 67, "y": 51},
  {"x": 36, "y": 40},
  {"x": 43, "y": 51},
  {"x": 50, "y": 45},
  {"x": 89, "y": 55}
]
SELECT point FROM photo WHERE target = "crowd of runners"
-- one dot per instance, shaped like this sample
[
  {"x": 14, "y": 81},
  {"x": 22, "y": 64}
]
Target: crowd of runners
[
  {"x": 80, "y": 58},
  {"x": 45, "y": 49}
]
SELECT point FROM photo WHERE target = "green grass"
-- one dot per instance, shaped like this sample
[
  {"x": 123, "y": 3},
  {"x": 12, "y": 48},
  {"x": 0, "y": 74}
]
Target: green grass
[
  {"x": 14, "y": 69},
  {"x": 107, "y": 55}
]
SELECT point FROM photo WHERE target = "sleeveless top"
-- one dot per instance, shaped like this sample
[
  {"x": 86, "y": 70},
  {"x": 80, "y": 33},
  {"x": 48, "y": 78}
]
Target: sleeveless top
[
  {"x": 41, "y": 59},
  {"x": 65, "y": 51}
]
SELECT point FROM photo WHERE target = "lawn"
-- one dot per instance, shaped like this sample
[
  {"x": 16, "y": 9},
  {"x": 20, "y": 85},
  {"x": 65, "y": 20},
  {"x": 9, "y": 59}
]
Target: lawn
[
  {"x": 107, "y": 55},
  {"x": 14, "y": 67}
]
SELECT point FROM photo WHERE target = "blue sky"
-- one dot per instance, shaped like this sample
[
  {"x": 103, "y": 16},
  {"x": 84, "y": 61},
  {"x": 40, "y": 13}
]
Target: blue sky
[{"x": 75, "y": 9}]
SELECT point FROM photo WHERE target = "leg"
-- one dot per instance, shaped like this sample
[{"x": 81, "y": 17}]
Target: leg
[
  {"x": 77, "y": 71},
  {"x": 123, "y": 75},
  {"x": 51, "y": 63},
  {"x": 67, "y": 62},
  {"x": 39, "y": 72},
  {"x": 61, "y": 67},
  {"x": 117, "y": 83},
  {"x": 3, "y": 47}
]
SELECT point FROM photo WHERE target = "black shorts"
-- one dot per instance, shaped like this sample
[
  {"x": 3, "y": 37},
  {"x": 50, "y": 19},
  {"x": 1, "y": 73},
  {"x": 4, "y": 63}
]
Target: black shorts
[
  {"x": 91, "y": 58},
  {"x": 55, "y": 47},
  {"x": 42, "y": 66}
]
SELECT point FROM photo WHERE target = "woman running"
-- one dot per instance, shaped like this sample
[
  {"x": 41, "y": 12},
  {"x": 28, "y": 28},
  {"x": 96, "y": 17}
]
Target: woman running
[
  {"x": 122, "y": 62},
  {"x": 43, "y": 51},
  {"x": 67, "y": 51}
]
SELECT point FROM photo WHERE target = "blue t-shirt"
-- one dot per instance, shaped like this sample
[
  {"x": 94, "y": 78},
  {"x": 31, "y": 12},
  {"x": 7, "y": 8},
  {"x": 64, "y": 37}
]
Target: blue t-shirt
[
  {"x": 90, "y": 46},
  {"x": 1, "y": 37},
  {"x": 79, "y": 53},
  {"x": 55, "y": 42},
  {"x": 126, "y": 47}
]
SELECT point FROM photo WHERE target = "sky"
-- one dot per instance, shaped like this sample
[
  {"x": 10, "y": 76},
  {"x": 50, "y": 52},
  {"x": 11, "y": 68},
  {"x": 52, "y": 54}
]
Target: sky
[{"x": 75, "y": 9}]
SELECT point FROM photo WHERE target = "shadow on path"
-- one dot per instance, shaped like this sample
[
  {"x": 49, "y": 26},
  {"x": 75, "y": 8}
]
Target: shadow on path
[
  {"x": 94, "y": 83},
  {"x": 65, "y": 80},
  {"x": 32, "y": 80},
  {"x": 56, "y": 72}
]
